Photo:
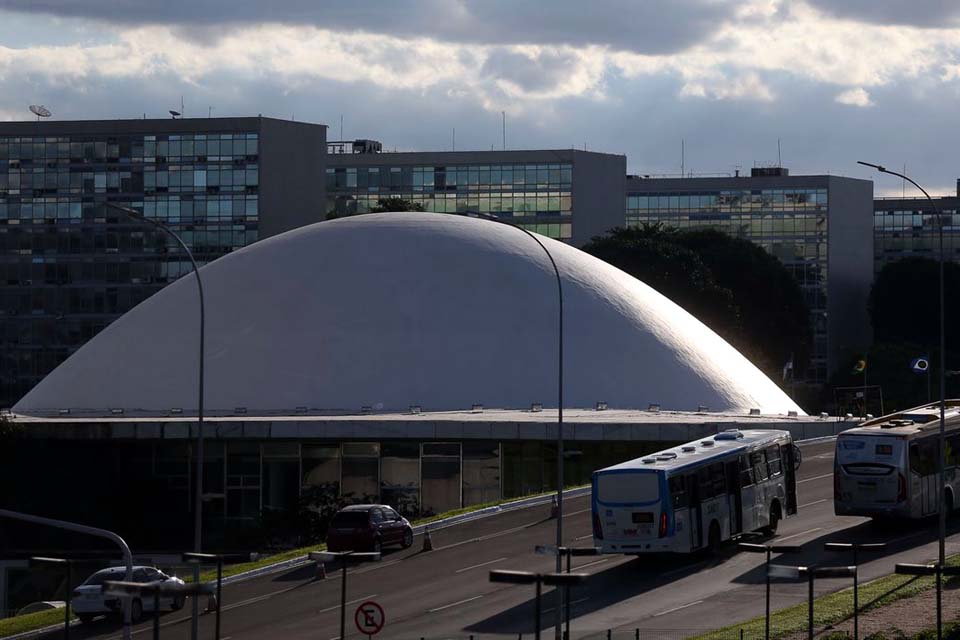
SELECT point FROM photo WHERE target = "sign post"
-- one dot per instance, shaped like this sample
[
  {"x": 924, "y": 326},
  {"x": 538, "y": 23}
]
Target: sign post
[{"x": 369, "y": 618}]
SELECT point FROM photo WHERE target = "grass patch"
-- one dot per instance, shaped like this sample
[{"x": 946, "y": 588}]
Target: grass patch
[
  {"x": 234, "y": 569},
  {"x": 29, "y": 622},
  {"x": 833, "y": 607}
]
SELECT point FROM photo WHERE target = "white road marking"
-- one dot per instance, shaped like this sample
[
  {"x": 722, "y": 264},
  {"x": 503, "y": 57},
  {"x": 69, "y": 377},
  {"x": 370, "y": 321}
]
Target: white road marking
[
  {"x": 826, "y": 475},
  {"x": 590, "y": 564},
  {"x": 572, "y": 603},
  {"x": 486, "y": 537},
  {"x": 797, "y": 535},
  {"x": 576, "y": 513},
  {"x": 584, "y": 537},
  {"x": 336, "y": 606},
  {"x": 683, "y": 606},
  {"x": 810, "y": 504},
  {"x": 482, "y": 564},
  {"x": 453, "y": 604}
]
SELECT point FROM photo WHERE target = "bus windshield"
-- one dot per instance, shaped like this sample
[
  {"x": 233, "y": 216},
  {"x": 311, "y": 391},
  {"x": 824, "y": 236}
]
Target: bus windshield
[{"x": 628, "y": 487}]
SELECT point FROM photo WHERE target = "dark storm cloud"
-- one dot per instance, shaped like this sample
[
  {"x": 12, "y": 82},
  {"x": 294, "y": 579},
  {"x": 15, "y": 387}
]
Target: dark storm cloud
[
  {"x": 531, "y": 73},
  {"x": 919, "y": 13},
  {"x": 651, "y": 26}
]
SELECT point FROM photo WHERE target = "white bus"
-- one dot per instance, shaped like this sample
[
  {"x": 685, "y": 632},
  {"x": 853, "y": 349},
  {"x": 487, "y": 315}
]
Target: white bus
[
  {"x": 696, "y": 495},
  {"x": 887, "y": 467}
]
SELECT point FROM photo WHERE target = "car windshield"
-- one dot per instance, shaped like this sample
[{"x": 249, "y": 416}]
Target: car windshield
[
  {"x": 350, "y": 518},
  {"x": 102, "y": 576}
]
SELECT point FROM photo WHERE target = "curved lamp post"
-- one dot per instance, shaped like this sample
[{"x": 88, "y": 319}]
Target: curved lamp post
[
  {"x": 198, "y": 487},
  {"x": 560, "y": 475},
  {"x": 943, "y": 355}
]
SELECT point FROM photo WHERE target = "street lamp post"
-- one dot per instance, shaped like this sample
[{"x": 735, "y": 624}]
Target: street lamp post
[
  {"x": 218, "y": 559},
  {"x": 198, "y": 488},
  {"x": 943, "y": 363},
  {"x": 856, "y": 548},
  {"x": 68, "y": 567},
  {"x": 557, "y": 580},
  {"x": 560, "y": 473},
  {"x": 569, "y": 552},
  {"x": 811, "y": 572},
  {"x": 768, "y": 549},
  {"x": 343, "y": 556}
]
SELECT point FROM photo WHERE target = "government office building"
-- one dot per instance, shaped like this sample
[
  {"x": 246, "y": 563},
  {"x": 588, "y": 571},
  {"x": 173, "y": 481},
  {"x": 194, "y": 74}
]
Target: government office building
[
  {"x": 564, "y": 194},
  {"x": 69, "y": 266},
  {"x": 908, "y": 227},
  {"x": 819, "y": 226}
]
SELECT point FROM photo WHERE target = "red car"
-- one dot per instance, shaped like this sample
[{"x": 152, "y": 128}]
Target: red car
[{"x": 368, "y": 527}]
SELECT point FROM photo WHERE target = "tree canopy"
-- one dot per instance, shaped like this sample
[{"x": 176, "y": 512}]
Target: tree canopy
[
  {"x": 905, "y": 300},
  {"x": 395, "y": 204},
  {"x": 732, "y": 285}
]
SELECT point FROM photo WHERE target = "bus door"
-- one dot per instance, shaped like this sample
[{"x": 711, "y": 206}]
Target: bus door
[
  {"x": 923, "y": 469},
  {"x": 734, "y": 496},
  {"x": 748, "y": 494},
  {"x": 696, "y": 517},
  {"x": 790, "y": 476}
]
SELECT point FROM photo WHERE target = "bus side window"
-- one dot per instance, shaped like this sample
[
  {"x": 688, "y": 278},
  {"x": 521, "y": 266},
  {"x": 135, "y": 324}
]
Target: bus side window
[
  {"x": 773, "y": 461},
  {"x": 759, "y": 463},
  {"x": 718, "y": 479},
  {"x": 678, "y": 493},
  {"x": 923, "y": 457},
  {"x": 746, "y": 473},
  {"x": 953, "y": 450},
  {"x": 706, "y": 486}
]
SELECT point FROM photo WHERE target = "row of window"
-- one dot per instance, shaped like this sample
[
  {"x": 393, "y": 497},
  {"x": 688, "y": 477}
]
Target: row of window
[
  {"x": 758, "y": 224},
  {"x": 548, "y": 204},
  {"x": 543, "y": 176},
  {"x": 141, "y": 147},
  {"x": 711, "y": 481},
  {"x": 776, "y": 199},
  {"x": 198, "y": 210}
]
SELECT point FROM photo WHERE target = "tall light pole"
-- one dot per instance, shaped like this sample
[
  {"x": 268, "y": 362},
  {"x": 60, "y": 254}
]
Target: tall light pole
[
  {"x": 198, "y": 485},
  {"x": 560, "y": 475},
  {"x": 943, "y": 359}
]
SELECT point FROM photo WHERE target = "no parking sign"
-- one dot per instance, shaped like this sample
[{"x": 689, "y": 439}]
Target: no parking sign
[{"x": 369, "y": 618}]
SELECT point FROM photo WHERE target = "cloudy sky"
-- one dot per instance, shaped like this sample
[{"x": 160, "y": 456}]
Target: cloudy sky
[{"x": 834, "y": 80}]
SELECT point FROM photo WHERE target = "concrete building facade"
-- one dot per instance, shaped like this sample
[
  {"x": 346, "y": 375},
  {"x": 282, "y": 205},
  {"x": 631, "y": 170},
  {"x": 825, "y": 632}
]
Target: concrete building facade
[
  {"x": 908, "y": 227},
  {"x": 564, "y": 194}
]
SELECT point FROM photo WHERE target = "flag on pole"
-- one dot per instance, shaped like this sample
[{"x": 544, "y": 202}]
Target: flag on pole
[
  {"x": 860, "y": 367},
  {"x": 788, "y": 368},
  {"x": 920, "y": 365}
]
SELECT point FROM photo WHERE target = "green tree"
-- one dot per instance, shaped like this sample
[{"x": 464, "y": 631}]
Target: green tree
[
  {"x": 395, "y": 204},
  {"x": 904, "y": 303}
]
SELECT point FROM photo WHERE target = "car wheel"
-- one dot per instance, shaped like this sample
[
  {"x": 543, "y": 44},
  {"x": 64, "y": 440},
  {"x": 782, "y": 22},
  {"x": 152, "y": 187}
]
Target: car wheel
[
  {"x": 376, "y": 545},
  {"x": 177, "y": 603},
  {"x": 136, "y": 611},
  {"x": 85, "y": 618},
  {"x": 407, "y": 538}
]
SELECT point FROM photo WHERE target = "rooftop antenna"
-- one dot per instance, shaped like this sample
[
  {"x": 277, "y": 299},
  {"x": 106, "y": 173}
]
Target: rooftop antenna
[
  {"x": 503, "y": 115},
  {"x": 683, "y": 158},
  {"x": 454, "y": 139},
  {"x": 182, "y": 110},
  {"x": 779, "y": 159},
  {"x": 209, "y": 112},
  {"x": 40, "y": 111},
  {"x": 341, "y": 126},
  {"x": 903, "y": 183}
]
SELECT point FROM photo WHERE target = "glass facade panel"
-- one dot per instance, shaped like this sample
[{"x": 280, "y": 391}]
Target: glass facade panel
[
  {"x": 400, "y": 477},
  {"x": 360, "y": 472},
  {"x": 69, "y": 266},
  {"x": 440, "y": 477},
  {"x": 538, "y": 196},
  {"x": 481, "y": 472}
]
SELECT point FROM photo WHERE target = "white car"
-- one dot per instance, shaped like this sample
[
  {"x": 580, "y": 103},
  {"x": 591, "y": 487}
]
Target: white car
[{"x": 89, "y": 600}]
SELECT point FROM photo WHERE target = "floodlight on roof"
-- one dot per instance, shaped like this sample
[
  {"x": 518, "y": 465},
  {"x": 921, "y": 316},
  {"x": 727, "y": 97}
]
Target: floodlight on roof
[
  {"x": 536, "y": 407},
  {"x": 477, "y": 408},
  {"x": 64, "y": 412},
  {"x": 174, "y": 114},
  {"x": 601, "y": 406},
  {"x": 240, "y": 411},
  {"x": 791, "y": 414},
  {"x": 116, "y": 412},
  {"x": 366, "y": 409},
  {"x": 176, "y": 411},
  {"x": 653, "y": 406},
  {"x": 702, "y": 408},
  {"x": 416, "y": 409},
  {"x": 754, "y": 412}
]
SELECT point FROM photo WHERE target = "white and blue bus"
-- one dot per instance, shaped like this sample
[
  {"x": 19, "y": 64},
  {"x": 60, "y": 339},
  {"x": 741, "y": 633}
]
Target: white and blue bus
[{"x": 696, "y": 495}]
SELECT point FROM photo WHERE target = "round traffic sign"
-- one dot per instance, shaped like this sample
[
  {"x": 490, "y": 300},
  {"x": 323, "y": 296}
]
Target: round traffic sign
[{"x": 369, "y": 618}]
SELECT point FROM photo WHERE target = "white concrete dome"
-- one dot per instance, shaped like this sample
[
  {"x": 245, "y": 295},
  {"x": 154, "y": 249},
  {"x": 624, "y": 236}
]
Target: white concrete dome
[{"x": 399, "y": 309}]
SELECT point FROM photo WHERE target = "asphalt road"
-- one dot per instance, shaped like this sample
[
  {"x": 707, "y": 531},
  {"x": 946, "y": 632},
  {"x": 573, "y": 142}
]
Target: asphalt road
[{"x": 446, "y": 593}]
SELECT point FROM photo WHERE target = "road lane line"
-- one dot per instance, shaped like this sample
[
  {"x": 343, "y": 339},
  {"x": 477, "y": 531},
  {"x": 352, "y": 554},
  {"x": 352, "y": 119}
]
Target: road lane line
[
  {"x": 482, "y": 564},
  {"x": 797, "y": 535},
  {"x": 810, "y": 504},
  {"x": 336, "y": 606},
  {"x": 453, "y": 604},
  {"x": 826, "y": 475},
  {"x": 683, "y": 606},
  {"x": 486, "y": 537},
  {"x": 576, "y": 512},
  {"x": 584, "y": 537},
  {"x": 590, "y": 564}
]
